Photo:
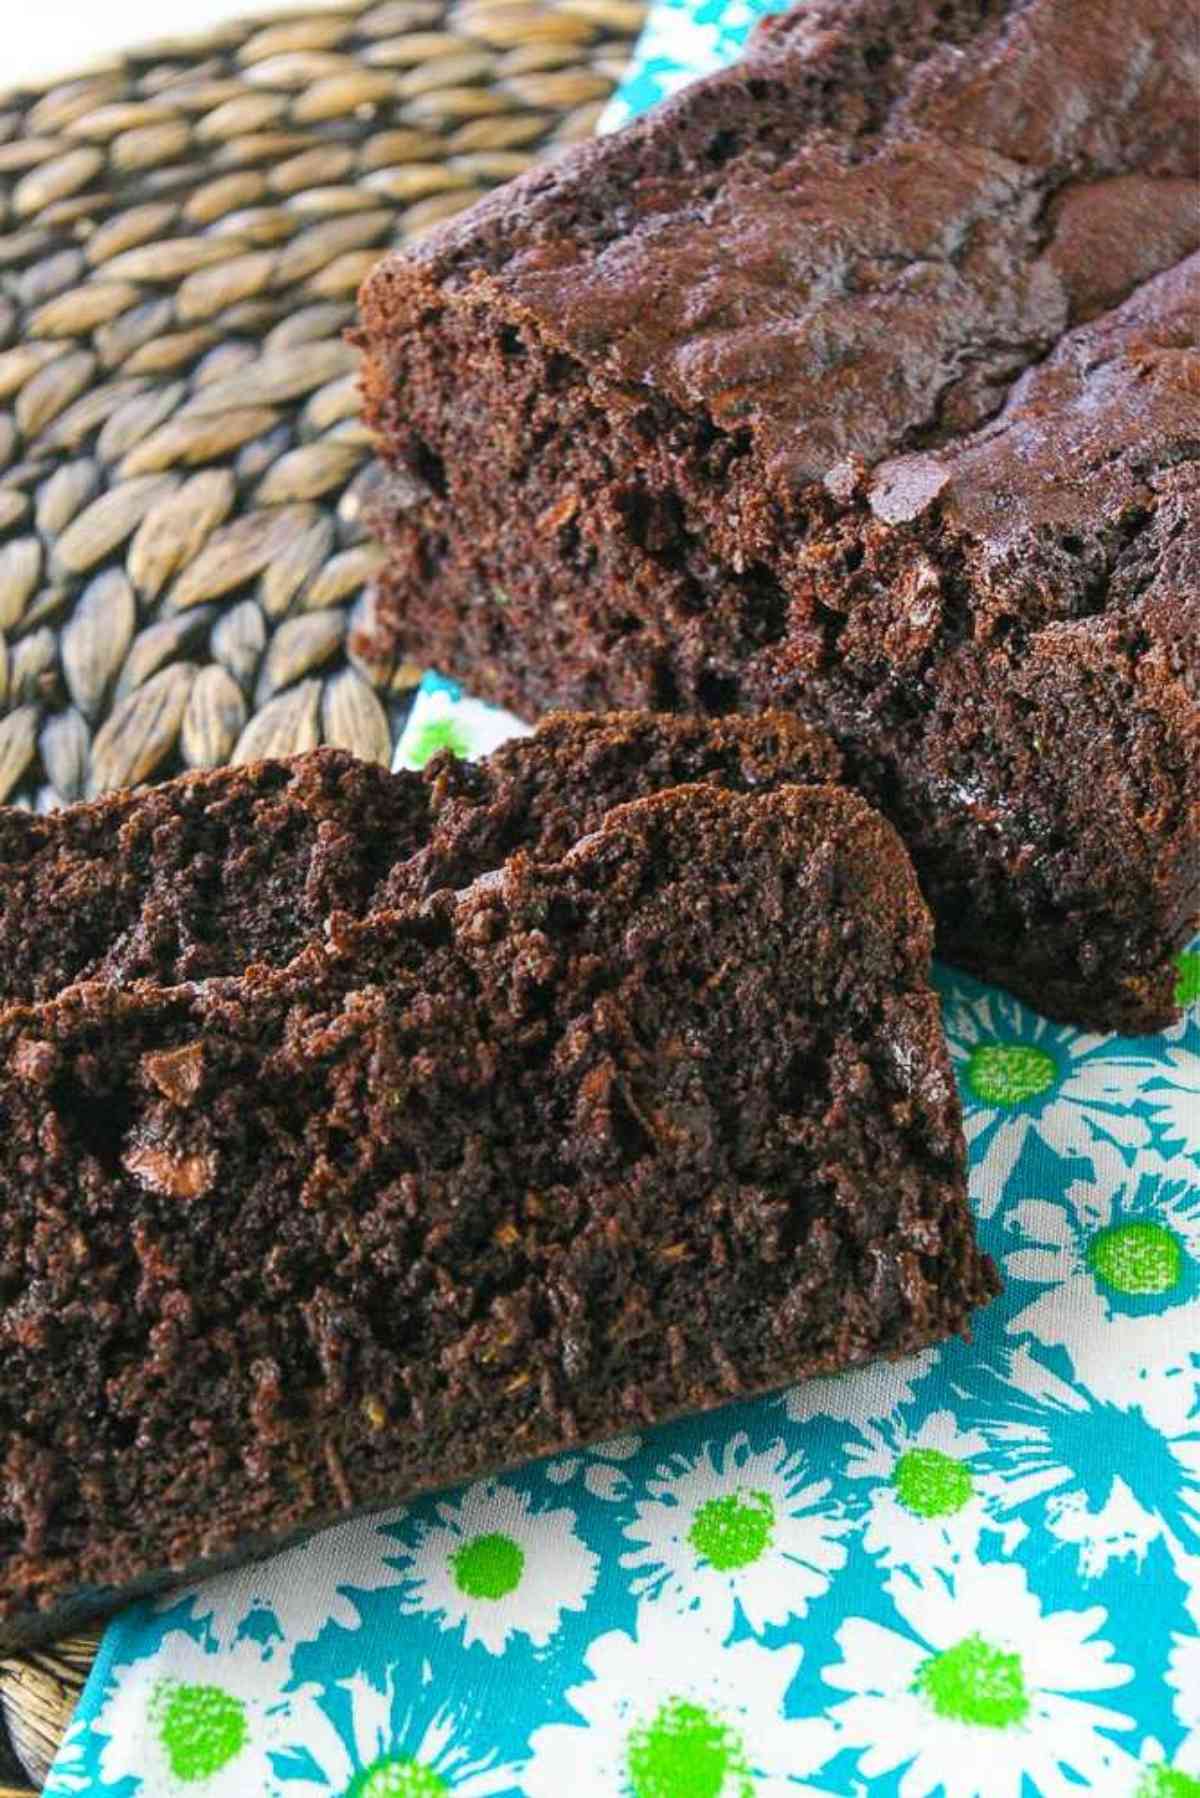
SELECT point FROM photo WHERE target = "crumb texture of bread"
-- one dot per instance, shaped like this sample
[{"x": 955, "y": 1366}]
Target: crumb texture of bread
[
  {"x": 584, "y": 1145},
  {"x": 861, "y": 378},
  {"x": 211, "y": 873}
]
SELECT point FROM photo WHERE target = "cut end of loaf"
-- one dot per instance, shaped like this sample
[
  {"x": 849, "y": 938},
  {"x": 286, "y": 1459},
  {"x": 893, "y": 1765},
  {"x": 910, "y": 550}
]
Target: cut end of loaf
[{"x": 662, "y": 1123}]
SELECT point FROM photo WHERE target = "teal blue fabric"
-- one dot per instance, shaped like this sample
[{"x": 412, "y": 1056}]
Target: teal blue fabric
[
  {"x": 683, "y": 39},
  {"x": 973, "y": 1574}
]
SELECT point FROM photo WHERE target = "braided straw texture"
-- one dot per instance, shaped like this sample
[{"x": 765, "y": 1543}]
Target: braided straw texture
[{"x": 184, "y": 563}]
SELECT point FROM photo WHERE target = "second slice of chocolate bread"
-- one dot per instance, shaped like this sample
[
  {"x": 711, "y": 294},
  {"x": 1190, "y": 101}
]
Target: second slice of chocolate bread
[
  {"x": 583, "y": 1146},
  {"x": 212, "y": 872}
]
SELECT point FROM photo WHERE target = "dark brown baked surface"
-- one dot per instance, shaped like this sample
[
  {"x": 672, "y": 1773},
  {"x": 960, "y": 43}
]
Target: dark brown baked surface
[
  {"x": 584, "y": 1145},
  {"x": 212, "y": 872},
  {"x": 861, "y": 378}
]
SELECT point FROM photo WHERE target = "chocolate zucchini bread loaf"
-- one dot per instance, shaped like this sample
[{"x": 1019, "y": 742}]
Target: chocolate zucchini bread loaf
[
  {"x": 210, "y": 873},
  {"x": 861, "y": 378},
  {"x": 584, "y": 1145}
]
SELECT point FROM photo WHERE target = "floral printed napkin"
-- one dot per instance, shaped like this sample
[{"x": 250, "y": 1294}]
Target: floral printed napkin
[
  {"x": 971, "y": 1574},
  {"x": 683, "y": 39}
]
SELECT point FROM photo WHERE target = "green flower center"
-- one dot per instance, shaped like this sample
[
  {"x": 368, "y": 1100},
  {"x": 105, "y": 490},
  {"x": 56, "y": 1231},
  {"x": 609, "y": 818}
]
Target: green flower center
[
  {"x": 1167, "y": 1782},
  {"x": 687, "y": 1752},
  {"x": 733, "y": 1531},
  {"x": 931, "y": 1484},
  {"x": 488, "y": 1567},
  {"x": 201, "y": 1728},
  {"x": 1137, "y": 1258},
  {"x": 975, "y": 1683},
  {"x": 439, "y": 733},
  {"x": 1010, "y": 1074},
  {"x": 1187, "y": 987},
  {"x": 396, "y": 1776}
]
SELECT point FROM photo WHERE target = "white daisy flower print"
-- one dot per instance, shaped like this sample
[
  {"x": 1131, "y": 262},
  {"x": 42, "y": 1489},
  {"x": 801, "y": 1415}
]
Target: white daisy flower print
[
  {"x": 1183, "y": 1677},
  {"x": 1041, "y": 1434},
  {"x": 69, "y": 1773},
  {"x": 441, "y": 718},
  {"x": 1153, "y": 1775},
  {"x": 1175, "y": 1097},
  {"x": 382, "y": 1747},
  {"x": 861, "y": 1394},
  {"x": 188, "y": 1721},
  {"x": 1020, "y": 1075},
  {"x": 680, "y": 41},
  {"x": 927, "y": 1495},
  {"x": 734, "y": 1529},
  {"x": 600, "y": 1470},
  {"x": 494, "y": 1568},
  {"x": 979, "y": 1691},
  {"x": 304, "y": 1588},
  {"x": 1187, "y": 995},
  {"x": 671, "y": 1711},
  {"x": 1116, "y": 1263}
]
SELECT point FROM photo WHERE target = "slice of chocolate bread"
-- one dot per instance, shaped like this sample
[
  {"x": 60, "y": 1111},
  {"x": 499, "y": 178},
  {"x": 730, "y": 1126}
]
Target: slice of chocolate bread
[
  {"x": 542, "y": 793},
  {"x": 860, "y": 378},
  {"x": 200, "y": 876},
  {"x": 580, "y": 1147},
  {"x": 212, "y": 872}
]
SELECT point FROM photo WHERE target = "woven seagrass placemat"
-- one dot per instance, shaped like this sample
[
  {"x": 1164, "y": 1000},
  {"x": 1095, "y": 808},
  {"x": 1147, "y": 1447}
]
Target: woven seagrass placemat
[{"x": 184, "y": 564}]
